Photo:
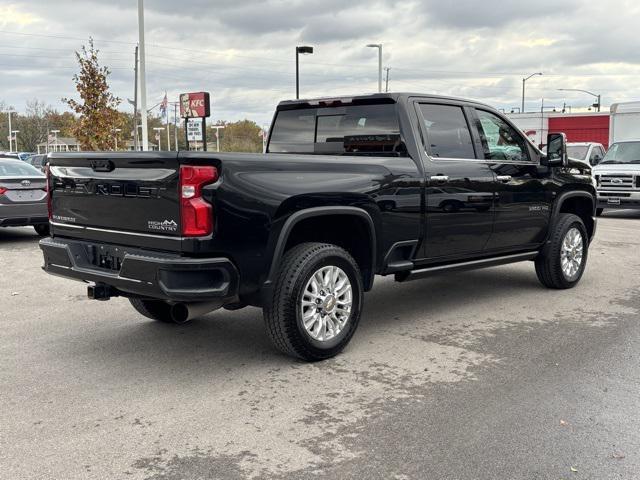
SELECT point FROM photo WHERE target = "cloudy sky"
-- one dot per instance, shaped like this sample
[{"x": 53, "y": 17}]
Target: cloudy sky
[{"x": 242, "y": 51}]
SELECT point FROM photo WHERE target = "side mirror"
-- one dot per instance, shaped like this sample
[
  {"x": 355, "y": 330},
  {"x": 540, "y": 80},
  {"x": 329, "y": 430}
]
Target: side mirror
[{"x": 557, "y": 150}]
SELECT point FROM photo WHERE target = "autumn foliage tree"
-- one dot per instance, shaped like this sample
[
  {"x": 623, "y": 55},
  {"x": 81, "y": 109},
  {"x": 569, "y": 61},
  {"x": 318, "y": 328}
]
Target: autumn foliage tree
[{"x": 97, "y": 108}]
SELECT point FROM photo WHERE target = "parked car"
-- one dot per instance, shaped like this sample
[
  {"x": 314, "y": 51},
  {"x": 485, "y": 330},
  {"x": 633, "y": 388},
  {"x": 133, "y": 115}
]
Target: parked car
[
  {"x": 23, "y": 197},
  {"x": 590, "y": 153},
  {"x": 13, "y": 155},
  {"x": 39, "y": 161},
  {"x": 25, "y": 156},
  {"x": 303, "y": 230},
  {"x": 618, "y": 177}
]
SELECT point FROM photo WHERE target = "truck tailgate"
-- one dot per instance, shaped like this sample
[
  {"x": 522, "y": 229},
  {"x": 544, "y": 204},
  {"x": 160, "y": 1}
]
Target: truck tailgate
[{"x": 132, "y": 192}]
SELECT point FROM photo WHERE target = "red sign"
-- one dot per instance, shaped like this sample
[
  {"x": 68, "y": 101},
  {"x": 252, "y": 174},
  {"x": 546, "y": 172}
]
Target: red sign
[{"x": 194, "y": 105}]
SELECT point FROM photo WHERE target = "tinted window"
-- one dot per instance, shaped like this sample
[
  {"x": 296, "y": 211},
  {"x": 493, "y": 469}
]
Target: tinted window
[
  {"x": 293, "y": 131},
  {"x": 351, "y": 130},
  {"x": 12, "y": 168},
  {"x": 448, "y": 133},
  {"x": 500, "y": 140}
]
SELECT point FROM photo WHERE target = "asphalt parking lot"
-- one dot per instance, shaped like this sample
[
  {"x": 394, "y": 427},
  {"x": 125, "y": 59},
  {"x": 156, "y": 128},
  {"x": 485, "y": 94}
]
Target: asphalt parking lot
[{"x": 480, "y": 375}]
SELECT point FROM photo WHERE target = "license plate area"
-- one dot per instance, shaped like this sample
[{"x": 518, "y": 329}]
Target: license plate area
[
  {"x": 25, "y": 195},
  {"x": 106, "y": 257},
  {"x": 613, "y": 200}
]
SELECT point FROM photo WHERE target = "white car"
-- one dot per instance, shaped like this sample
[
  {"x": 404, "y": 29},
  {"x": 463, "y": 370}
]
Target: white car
[{"x": 590, "y": 153}]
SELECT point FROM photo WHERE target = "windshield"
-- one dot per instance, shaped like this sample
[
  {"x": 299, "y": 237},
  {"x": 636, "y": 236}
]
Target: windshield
[
  {"x": 579, "y": 152},
  {"x": 627, "y": 152},
  {"x": 16, "y": 168}
]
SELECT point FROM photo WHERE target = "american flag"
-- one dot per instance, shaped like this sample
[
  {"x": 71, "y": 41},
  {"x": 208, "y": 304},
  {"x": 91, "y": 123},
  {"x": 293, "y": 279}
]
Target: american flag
[{"x": 163, "y": 105}]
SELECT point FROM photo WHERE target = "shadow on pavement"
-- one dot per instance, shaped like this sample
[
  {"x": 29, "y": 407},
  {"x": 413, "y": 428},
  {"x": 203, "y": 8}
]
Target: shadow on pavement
[
  {"x": 226, "y": 340},
  {"x": 10, "y": 235}
]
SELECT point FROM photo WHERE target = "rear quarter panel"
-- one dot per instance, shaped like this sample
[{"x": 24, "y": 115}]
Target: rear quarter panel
[{"x": 256, "y": 194}]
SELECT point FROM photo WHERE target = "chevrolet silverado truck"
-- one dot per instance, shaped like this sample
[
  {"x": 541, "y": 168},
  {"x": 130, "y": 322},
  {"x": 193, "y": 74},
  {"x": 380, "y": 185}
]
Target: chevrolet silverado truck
[
  {"x": 341, "y": 195},
  {"x": 618, "y": 177}
]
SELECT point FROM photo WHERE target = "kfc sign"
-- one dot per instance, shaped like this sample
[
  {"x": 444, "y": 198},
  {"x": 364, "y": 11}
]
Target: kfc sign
[{"x": 194, "y": 105}]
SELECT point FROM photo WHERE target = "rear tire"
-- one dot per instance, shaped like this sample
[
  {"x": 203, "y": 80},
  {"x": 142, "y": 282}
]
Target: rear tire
[
  {"x": 154, "y": 309},
  {"x": 42, "y": 229},
  {"x": 599, "y": 211},
  {"x": 563, "y": 259},
  {"x": 316, "y": 302}
]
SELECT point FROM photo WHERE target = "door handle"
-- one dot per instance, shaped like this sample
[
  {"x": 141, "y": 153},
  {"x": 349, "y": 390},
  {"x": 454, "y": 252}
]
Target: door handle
[
  {"x": 439, "y": 178},
  {"x": 504, "y": 178}
]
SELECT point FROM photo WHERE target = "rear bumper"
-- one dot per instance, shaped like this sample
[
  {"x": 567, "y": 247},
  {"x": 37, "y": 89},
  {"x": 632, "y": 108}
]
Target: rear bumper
[
  {"x": 17, "y": 215},
  {"x": 144, "y": 273}
]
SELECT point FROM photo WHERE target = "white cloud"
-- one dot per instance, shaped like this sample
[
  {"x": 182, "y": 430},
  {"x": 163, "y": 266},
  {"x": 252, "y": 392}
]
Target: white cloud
[{"x": 243, "y": 51}]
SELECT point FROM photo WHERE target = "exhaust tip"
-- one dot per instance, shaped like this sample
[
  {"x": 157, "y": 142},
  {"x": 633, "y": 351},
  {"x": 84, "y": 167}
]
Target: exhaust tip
[{"x": 180, "y": 313}]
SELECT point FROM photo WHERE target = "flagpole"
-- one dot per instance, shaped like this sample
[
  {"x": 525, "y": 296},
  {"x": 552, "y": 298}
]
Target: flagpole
[{"x": 166, "y": 116}]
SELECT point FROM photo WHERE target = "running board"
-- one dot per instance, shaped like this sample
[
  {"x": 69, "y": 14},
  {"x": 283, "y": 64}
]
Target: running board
[{"x": 462, "y": 266}]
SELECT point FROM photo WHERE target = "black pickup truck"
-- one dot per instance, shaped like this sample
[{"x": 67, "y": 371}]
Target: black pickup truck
[{"x": 396, "y": 184}]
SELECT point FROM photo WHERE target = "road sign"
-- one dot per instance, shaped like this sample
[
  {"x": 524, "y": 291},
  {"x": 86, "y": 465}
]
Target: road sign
[{"x": 194, "y": 129}]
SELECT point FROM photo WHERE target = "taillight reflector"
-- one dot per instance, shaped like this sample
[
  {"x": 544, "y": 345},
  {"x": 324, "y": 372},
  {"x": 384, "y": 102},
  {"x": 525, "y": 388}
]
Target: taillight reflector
[
  {"x": 196, "y": 214},
  {"x": 3, "y": 190}
]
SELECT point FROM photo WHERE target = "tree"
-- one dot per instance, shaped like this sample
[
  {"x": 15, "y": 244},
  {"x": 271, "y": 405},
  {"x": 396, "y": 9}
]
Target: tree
[
  {"x": 97, "y": 109},
  {"x": 33, "y": 126},
  {"x": 241, "y": 136}
]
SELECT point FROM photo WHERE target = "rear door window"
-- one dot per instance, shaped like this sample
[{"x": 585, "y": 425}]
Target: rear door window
[{"x": 448, "y": 134}]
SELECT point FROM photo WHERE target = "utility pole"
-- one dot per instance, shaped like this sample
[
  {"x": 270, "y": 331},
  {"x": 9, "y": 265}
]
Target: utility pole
[
  {"x": 136, "y": 147},
  {"x": 386, "y": 82},
  {"x": 143, "y": 77}
]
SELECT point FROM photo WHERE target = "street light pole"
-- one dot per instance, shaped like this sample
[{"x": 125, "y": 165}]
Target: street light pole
[
  {"x": 15, "y": 138},
  {"x": 115, "y": 136},
  {"x": 9, "y": 112},
  {"x": 305, "y": 50},
  {"x": 386, "y": 81},
  {"x": 159, "y": 137},
  {"x": 379, "y": 47},
  {"x": 598, "y": 104},
  {"x": 143, "y": 77},
  {"x": 524, "y": 80}
]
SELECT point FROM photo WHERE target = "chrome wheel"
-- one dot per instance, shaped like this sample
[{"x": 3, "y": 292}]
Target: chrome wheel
[
  {"x": 326, "y": 303},
  {"x": 571, "y": 253}
]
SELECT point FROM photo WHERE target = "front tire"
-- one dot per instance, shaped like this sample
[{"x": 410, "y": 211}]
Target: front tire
[
  {"x": 316, "y": 302},
  {"x": 154, "y": 309},
  {"x": 563, "y": 259}
]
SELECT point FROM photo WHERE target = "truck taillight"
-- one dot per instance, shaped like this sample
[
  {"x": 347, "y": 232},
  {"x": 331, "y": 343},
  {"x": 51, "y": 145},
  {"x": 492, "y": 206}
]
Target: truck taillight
[
  {"x": 48, "y": 189},
  {"x": 195, "y": 212},
  {"x": 2, "y": 190}
]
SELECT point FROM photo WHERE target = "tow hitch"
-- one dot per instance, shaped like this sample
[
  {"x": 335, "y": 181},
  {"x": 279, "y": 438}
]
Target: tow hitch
[{"x": 100, "y": 291}]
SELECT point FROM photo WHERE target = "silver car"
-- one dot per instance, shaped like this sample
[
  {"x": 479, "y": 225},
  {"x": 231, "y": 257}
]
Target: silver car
[{"x": 23, "y": 196}]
